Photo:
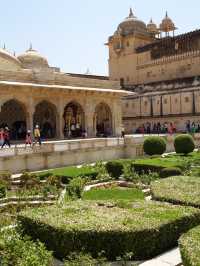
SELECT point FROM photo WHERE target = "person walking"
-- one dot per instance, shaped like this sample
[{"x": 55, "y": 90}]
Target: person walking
[
  {"x": 28, "y": 138},
  {"x": 123, "y": 133},
  {"x": 6, "y": 137},
  {"x": 37, "y": 135},
  {"x": 1, "y": 136}
]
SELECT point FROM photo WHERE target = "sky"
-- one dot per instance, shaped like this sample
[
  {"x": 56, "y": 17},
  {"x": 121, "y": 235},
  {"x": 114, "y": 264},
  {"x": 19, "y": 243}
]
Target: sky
[{"x": 72, "y": 34}]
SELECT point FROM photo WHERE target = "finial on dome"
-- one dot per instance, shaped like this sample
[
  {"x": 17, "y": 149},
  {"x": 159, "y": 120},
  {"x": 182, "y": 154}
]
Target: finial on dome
[
  {"x": 30, "y": 47},
  {"x": 151, "y": 21},
  {"x": 4, "y": 46},
  {"x": 131, "y": 15},
  {"x": 14, "y": 53},
  {"x": 166, "y": 14}
]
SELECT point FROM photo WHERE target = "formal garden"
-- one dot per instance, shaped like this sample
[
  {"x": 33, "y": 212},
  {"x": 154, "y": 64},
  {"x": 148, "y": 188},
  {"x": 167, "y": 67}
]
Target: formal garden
[{"x": 120, "y": 211}]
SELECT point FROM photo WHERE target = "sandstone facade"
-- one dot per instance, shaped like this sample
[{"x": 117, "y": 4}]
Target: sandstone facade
[{"x": 162, "y": 70}]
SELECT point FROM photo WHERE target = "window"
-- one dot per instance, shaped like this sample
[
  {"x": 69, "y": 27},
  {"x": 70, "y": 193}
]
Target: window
[
  {"x": 145, "y": 103},
  {"x": 158, "y": 102},
  {"x": 187, "y": 99},
  {"x": 122, "y": 82},
  {"x": 165, "y": 101},
  {"x": 127, "y": 44},
  {"x": 127, "y": 105},
  {"x": 176, "y": 100}
]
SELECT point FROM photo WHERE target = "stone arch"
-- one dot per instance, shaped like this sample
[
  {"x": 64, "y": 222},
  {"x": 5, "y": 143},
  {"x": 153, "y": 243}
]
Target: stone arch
[
  {"x": 13, "y": 115},
  {"x": 74, "y": 120},
  {"x": 102, "y": 120},
  {"x": 46, "y": 116}
]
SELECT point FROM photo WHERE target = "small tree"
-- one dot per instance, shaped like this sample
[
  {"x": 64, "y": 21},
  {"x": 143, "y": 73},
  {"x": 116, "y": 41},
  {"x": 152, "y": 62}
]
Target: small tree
[
  {"x": 154, "y": 145},
  {"x": 184, "y": 143}
]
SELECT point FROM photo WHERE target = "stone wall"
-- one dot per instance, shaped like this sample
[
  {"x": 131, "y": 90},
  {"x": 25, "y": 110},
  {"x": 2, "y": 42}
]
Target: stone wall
[{"x": 74, "y": 152}]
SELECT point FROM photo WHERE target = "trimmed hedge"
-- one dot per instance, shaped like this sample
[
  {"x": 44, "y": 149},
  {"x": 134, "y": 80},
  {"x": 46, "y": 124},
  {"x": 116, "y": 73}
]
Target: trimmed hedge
[
  {"x": 142, "y": 168},
  {"x": 173, "y": 171},
  {"x": 184, "y": 190},
  {"x": 114, "y": 168},
  {"x": 93, "y": 227},
  {"x": 189, "y": 245},
  {"x": 184, "y": 143},
  {"x": 154, "y": 145}
]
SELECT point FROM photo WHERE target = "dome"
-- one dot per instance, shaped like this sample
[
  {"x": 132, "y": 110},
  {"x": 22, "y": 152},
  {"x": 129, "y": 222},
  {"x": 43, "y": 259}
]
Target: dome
[
  {"x": 167, "y": 24},
  {"x": 8, "y": 57},
  {"x": 131, "y": 24},
  {"x": 152, "y": 27},
  {"x": 33, "y": 59}
]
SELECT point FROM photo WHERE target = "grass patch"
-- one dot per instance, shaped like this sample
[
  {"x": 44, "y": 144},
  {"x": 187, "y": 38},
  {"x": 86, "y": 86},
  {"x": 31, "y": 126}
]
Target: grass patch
[
  {"x": 70, "y": 172},
  {"x": 183, "y": 190},
  {"x": 113, "y": 194},
  {"x": 144, "y": 229},
  {"x": 189, "y": 244}
]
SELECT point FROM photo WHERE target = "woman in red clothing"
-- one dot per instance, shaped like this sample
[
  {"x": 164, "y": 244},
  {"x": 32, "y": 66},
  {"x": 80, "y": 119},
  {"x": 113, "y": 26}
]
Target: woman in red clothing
[
  {"x": 6, "y": 136},
  {"x": 1, "y": 136},
  {"x": 28, "y": 138}
]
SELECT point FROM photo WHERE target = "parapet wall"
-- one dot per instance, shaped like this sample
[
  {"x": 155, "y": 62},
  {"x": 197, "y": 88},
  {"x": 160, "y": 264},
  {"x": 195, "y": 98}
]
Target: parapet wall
[{"x": 71, "y": 152}]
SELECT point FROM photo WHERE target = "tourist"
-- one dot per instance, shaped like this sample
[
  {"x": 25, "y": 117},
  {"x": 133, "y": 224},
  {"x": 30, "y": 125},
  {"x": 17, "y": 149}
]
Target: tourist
[
  {"x": 170, "y": 128},
  {"x": 148, "y": 128},
  {"x": 6, "y": 137},
  {"x": 193, "y": 128},
  {"x": 1, "y": 136},
  {"x": 123, "y": 132},
  {"x": 37, "y": 135},
  {"x": 28, "y": 138},
  {"x": 188, "y": 126}
]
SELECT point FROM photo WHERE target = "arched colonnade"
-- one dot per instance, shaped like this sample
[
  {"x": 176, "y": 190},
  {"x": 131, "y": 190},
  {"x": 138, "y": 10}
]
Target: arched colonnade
[{"x": 71, "y": 122}]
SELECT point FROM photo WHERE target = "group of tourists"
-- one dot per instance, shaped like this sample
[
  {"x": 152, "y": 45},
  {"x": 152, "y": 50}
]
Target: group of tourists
[
  {"x": 192, "y": 127},
  {"x": 5, "y": 137},
  {"x": 156, "y": 128}
]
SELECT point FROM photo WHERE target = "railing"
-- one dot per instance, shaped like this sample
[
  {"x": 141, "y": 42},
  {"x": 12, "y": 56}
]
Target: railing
[{"x": 61, "y": 146}]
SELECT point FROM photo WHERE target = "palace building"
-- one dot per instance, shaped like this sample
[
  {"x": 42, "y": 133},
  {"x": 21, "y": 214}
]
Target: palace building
[
  {"x": 62, "y": 104},
  {"x": 162, "y": 70}
]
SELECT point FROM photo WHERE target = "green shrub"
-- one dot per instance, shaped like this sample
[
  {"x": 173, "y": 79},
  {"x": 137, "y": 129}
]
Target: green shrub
[
  {"x": 75, "y": 188},
  {"x": 3, "y": 189},
  {"x": 183, "y": 190},
  {"x": 96, "y": 226},
  {"x": 173, "y": 171},
  {"x": 154, "y": 145},
  {"x": 21, "y": 251},
  {"x": 184, "y": 143},
  {"x": 114, "y": 168},
  {"x": 54, "y": 181},
  {"x": 189, "y": 245}
]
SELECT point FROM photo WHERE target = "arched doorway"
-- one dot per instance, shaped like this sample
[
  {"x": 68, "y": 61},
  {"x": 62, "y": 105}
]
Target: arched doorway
[
  {"x": 74, "y": 120},
  {"x": 103, "y": 120},
  {"x": 13, "y": 116},
  {"x": 45, "y": 116}
]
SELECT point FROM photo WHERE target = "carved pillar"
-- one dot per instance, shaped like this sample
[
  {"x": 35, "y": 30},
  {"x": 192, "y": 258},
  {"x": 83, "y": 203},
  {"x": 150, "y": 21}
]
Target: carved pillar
[
  {"x": 60, "y": 120},
  {"x": 89, "y": 110},
  {"x": 29, "y": 115},
  {"x": 117, "y": 117}
]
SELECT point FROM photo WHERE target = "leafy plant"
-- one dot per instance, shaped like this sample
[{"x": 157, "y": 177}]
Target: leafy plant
[
  {"x": 102, "y": 172},
  {"x": 3, "y": 189},
  {"x": 75, "y": 188},
  {"x": 21, "y": 251}
]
